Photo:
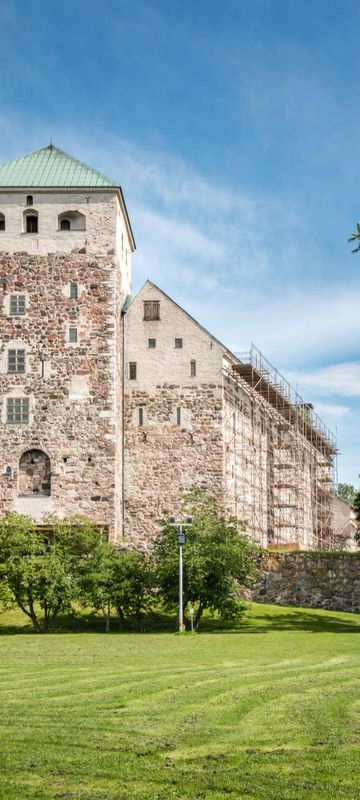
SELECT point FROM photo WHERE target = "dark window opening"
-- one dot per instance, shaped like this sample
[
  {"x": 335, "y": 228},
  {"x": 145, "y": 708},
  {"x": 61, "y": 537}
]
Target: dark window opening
[
  {"x": 17, "y": 410},
  {"x": 193, "y": 369},
  {"x": 151, "y": 344},
  {"x": 17, "y": 304},
  {"x": 2, "y": 222},
  {"x": 141, "y": 416},
  {"x": 132, "y": 370},
  {"x": 178, "y": 416},
  {"x": 74, "y": 292},
  {"x": 65, "y": 225},
  {"x": 151, "y": 309},
  {"x": 16, "y": 361},
  {"x": 29, "y": 200},
  {"x": 31, "y": 224},
  {"x": 178, "y": 344}
]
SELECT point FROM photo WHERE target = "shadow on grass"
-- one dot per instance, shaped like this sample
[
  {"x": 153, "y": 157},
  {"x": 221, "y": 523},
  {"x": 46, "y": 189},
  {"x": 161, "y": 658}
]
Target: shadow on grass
[{"x": 255, "y": 620}]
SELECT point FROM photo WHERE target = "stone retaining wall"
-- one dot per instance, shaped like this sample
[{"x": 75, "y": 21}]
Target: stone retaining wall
[{"x": 316, "y": 580}]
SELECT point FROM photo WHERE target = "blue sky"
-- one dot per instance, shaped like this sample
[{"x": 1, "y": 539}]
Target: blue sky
[{"x": 234, "y": 129}]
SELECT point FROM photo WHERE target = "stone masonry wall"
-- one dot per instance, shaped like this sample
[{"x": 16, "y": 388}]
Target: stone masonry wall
[
  {"x": 71, "y": 387},
  {"x": 311, "y": 579}
]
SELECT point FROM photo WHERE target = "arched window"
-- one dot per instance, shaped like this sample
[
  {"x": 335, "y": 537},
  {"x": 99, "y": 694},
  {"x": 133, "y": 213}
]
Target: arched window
[
  {"x": 71, "y": 221},
  {"x": 2, "y": 222},
  {"x": 31, "y": 223},
  {"x": 35, "y": 473},
  {"x": 29, "y": 200}
]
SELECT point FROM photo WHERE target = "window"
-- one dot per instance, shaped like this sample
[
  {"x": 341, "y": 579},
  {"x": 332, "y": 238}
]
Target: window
[
  {"x": 17, "y": 304},
  {"x": 151, "y": 344},
  {"x": 73, "y": 335},
  {"x": 31, "y": 223},
  {"x": 178, "y": 416},
  {"x": 71, "y": 221},
  {"x": 132, "y": 370},
  {"x": 122, "y": 241},
  {"x": 151, "y": 309},
  {"x": 193, "y": 369},
  {"x": 141, "y": 416},
  {"x": 74, "y": 291},
  {"x": 29, "y": 200},
  {"x": 65, "y": 225},
  {"x": 2, "y": 222},
  {"x": 178, "y": 344},
  {"x": 17, "y": 410},
  {"x": 16, "y": 361}
]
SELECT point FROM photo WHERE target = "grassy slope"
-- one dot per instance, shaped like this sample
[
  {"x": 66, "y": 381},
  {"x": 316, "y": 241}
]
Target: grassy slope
[{"x": 271, "y": 710}]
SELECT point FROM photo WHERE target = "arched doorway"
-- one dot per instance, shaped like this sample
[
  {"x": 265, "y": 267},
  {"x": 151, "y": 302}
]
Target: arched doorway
[{"x": 35, "y": 473}]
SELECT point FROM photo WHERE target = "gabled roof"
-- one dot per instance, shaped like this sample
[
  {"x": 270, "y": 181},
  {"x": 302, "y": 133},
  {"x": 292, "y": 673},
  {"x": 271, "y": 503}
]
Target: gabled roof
[
  {"x": 51, "y": 167},
  {"x": 130, "y": 299}
]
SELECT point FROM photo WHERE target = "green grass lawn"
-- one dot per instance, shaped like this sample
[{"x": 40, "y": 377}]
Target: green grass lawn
[{"x": 270, "y": 709}]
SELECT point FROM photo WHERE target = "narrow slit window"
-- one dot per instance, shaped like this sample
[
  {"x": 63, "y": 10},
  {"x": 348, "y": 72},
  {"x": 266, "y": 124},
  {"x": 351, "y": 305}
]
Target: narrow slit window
[
  {"x": 29, "y": 200},
  {"x": 193, "y": 369},
  {"x": 141, "y": 416},
  {"x": 17, "y": 304},
  {"x": 178, "y": 416},
  {"x": 151, "y": 344},
  {"x": 2, "y": 222},
  {"x": 73, "y": 335},
  {"x": 16, "y": 361},
  {"x": 151, "y": 310},
  {"x": 178, "y": 344},
  {"x": 74, "y": 292},
  {"x": 17, "y": 410},
  {"x": 132, "y": 370}
]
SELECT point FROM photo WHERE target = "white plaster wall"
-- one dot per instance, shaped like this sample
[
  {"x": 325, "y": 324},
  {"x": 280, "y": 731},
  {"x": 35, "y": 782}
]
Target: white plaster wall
[
  {"x": 166, "y": 364},
  {"x": 101, "y": 209}
]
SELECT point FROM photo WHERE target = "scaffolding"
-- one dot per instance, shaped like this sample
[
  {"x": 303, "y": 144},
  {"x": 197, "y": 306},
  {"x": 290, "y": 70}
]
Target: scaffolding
[{"x": 280, "y": 457}]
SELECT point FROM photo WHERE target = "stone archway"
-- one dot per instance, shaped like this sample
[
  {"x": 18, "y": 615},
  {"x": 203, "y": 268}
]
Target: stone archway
[{"x": 35, "y": 473}]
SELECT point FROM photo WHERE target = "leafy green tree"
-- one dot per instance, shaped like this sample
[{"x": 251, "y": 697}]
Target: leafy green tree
[
  {"x": 97, "y": 580},
  {"x": 135, "y": 580},
  {"x": 355, "y": 237},
  {"x": 219, "y": 560},
  {"x": 347, "y": 492},
  {"x": 33, "y": 574}
]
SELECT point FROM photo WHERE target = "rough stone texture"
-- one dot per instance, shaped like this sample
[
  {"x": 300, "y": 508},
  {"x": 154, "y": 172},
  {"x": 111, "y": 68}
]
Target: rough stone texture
[
  {"x": 77, "y": 429},
  {"x": 315, "y": 580},
  {"x": 34, "y": 473}
]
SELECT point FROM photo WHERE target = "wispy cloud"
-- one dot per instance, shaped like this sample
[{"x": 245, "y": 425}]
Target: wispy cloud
[{"x": 338, "y": 379}]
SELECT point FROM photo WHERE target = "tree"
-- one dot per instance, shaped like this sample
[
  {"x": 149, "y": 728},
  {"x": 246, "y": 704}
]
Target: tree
[
  {"x": 41, "y": 570},
  {"x": 355, "y": 237},
  {"x": 219, "y": 560},
  {"x": 347, "y": 492},
  {"x": 135, "y": 580},
  {"x": 33, "y": 573}
]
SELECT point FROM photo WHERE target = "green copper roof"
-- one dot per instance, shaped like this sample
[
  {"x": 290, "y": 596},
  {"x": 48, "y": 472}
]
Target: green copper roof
[{"x": 51, "y": 167}]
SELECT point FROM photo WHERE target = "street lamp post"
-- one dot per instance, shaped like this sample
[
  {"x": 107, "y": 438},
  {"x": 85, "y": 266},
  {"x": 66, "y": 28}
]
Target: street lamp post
[{"x": 181, "y": 524}]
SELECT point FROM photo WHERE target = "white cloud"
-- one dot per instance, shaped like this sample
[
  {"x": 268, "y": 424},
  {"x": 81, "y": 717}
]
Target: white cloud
[
  {"x": 334, "y": 410},
  {"x": 338, "y": 379}
]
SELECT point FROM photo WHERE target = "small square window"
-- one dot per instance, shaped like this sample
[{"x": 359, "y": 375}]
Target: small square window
[
  {"x": 17, "y": 410},
  {"x": 151, "y": 344},
  {"x": 16, "y": 361},
  {"x": 141, "y": 416},
  {"x": 178, "y": 344},
  {"x": 132, "y": 370},
  {"x": 193, "y": 369},
  {"x": 74, "y": 291},
  {"x": 17, "y": 304},
  {"x": 151, "y": 309},
  {"x": 178, "y": 416},
  {"x": 73, "y": 335}
]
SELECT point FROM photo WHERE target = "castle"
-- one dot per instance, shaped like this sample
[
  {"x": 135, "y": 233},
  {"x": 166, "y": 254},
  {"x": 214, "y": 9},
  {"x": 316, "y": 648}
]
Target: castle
[{"x": 114, "y": 406}]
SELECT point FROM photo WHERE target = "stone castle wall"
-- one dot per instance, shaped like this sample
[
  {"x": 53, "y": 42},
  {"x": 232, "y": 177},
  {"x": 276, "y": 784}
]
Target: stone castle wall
[
  {"x": 311, "y": 579},
  {"x": 71, "y": 388}
]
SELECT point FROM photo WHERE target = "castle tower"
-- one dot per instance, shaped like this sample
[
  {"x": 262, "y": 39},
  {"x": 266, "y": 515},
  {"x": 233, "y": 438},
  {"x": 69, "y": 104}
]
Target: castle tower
[{"x": 65, "y": 270}]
